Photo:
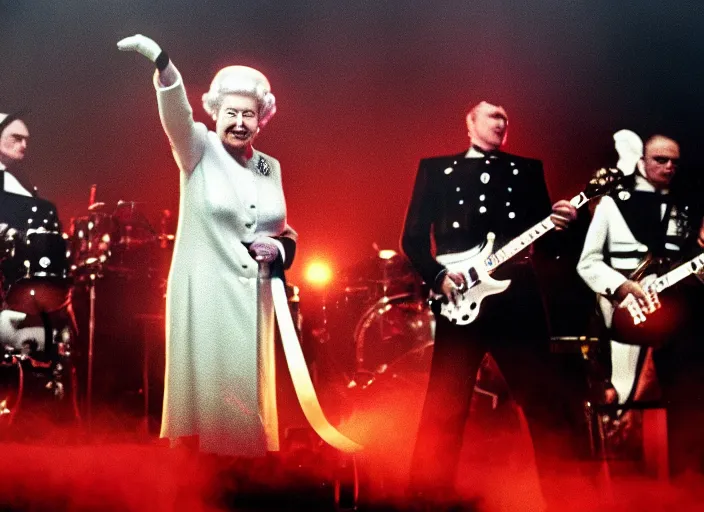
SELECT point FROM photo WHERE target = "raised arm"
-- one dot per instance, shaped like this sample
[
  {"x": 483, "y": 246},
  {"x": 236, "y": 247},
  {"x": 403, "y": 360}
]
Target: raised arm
[{"x": 187, "y": 137}]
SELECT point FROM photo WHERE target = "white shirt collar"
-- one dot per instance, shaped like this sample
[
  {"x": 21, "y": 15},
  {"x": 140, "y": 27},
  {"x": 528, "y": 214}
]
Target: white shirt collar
[
  {"x": 12, "y": 184},
  {"x": 473, "y": 153},
  {"x": 644, "y": 185}
]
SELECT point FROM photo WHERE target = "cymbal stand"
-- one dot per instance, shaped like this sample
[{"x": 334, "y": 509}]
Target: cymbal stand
[
  {"x": 368, "y": 375},
  {"x": 91, "y": 345}
]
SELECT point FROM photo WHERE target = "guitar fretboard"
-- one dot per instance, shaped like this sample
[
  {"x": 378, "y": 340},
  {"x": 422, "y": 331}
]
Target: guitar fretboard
[
  {"x": 675, "y": 276},
  {"x": 526, "y": 238}
]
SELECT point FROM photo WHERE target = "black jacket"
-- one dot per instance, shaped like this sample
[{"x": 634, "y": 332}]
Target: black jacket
[{"x": 456, "y": 201}]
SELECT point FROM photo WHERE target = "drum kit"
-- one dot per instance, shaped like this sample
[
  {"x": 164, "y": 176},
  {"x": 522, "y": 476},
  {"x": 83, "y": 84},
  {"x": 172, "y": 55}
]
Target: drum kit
[
  {"x": 383, "y": 328},
  {"x": 48, "y": 275}
]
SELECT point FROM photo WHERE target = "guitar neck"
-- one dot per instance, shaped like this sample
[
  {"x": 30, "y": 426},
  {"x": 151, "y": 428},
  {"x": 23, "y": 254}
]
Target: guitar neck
[
  {"x": 528, "y": 237},
  {"x": 675, "y": 276}
]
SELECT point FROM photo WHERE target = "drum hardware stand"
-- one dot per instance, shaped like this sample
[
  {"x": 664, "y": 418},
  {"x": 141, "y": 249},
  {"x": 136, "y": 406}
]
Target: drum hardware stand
[
  {"x": 91, "y": 344},
  {"x": 367, "y": 377}
]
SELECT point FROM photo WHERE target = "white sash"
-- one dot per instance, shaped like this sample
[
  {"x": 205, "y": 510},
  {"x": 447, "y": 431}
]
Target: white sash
[{"x": 301, "y": 378}]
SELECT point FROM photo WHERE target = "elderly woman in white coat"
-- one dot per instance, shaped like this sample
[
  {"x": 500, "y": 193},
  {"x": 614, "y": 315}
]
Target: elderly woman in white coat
[{"x": 232, "y": 234}]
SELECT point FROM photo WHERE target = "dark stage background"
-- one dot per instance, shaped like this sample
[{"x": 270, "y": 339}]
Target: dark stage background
[{"x": 364, "y": 90}]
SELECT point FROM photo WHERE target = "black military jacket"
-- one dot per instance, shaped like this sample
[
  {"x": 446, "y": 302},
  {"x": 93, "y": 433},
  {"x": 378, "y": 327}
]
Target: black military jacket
[
  {"x": 21, "y": 213},
  {"x": 456, "y": 201}
]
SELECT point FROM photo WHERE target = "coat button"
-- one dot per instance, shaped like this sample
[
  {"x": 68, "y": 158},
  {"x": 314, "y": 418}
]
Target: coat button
[
  {"x": 482, "y": 209},
  {"x": 448, "y": 170},
  {"x": 484, "y": 177},
  {"x": 515, "y": 172},
  {"x": 511, "y": 215},
  {"x": 455, "y": 224},
  {"x": 482, "y": 197}
]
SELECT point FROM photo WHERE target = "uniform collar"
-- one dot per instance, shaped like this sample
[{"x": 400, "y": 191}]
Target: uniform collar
[
  {"x": 643, "y": 185},
  {"x": 475, "y": 152}
]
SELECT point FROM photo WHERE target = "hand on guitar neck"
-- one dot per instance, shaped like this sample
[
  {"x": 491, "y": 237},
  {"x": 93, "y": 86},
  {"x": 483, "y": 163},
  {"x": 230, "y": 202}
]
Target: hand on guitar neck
[{"x": 563, "y": 212}]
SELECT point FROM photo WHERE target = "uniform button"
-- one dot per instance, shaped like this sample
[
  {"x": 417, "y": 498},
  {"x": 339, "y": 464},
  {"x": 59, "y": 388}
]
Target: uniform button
[
  {"x": 515, "y": 171},
  {"x": 513, "y": 164},
  {"x": 482, "y": 197},
  {"x": 482, "y": 209},
  {"x": 484, "y": 178},
  {"x": 457, "y": 189},
  {"x": 448, "y": 170},
  {"x": 487, "y": 162},
  {"x": 511, "y": 215},
  {"x": 508, "y": 203},
  {"x": 510, "y": 189},
  {"x": 455, "y": 224},
  {"x": 461, "y": 201},
  {"x": 34, "y": 208}
]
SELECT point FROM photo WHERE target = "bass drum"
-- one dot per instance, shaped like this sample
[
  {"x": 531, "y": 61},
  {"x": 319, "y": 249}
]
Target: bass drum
[{"x": 394, "y": 339}]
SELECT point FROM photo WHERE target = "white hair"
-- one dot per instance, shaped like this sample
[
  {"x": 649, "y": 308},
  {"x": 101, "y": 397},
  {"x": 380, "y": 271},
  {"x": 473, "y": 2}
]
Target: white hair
[{"x": 241, "y": 80}]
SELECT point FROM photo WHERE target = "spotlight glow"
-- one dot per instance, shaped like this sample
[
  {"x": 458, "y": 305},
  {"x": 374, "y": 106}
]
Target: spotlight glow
[{"x": 318, "y": 273}]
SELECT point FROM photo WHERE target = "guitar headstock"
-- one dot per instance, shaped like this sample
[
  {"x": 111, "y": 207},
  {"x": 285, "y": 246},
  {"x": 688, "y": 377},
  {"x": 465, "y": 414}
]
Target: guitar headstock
[{"x": 604, "y": 181}]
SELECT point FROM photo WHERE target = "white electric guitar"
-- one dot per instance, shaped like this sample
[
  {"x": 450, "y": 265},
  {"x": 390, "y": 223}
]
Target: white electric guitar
[{"x": 478, "y": 263}]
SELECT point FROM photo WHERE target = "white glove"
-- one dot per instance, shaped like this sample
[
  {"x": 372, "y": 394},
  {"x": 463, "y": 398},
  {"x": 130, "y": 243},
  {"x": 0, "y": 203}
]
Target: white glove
[
  {"x": 9, "y": 320},
  {"x": 141, "y": 44},
  {"x": 264, "y": 249}
]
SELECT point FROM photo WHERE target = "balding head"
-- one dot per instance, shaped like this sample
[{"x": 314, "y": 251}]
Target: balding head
[
  {"x": 661, "y": 156},
  {"x": 14, "y": 136},
  {"x": 487, "y": 125}
]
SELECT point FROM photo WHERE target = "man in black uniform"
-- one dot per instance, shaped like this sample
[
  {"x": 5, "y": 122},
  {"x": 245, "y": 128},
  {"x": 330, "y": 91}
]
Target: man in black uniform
[
  {"x": 20, "y": 212},
  {"x": 459, "y": 199}
]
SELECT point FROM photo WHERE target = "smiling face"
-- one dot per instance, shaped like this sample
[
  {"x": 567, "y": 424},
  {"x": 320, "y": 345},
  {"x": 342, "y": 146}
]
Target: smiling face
[
  {"x": 487, "y": 125},
  {"x": 13, "y": 142},
  {"x": 237, "y": 123}
]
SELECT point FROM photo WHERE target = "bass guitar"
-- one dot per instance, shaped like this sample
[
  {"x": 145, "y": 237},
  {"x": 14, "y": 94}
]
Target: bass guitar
[{"x": 630, "y": 316}]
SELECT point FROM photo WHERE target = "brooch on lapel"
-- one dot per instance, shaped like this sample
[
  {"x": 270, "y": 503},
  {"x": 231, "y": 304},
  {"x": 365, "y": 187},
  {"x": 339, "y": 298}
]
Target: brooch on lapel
[{"x": 263, "y": 167}]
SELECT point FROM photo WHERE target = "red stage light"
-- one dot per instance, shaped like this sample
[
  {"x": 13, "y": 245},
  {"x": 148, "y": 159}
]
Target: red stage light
[{"x": 318, "y": 273}]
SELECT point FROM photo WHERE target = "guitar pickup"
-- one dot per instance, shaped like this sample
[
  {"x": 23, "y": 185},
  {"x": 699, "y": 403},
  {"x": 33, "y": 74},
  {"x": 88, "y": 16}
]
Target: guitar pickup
[{"x": 473, "y": 277}]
